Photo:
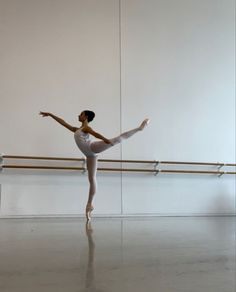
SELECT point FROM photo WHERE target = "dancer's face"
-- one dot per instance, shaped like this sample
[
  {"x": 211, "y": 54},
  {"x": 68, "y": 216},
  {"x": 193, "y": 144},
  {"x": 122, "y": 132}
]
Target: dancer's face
[{"x": 82, "y": 117}]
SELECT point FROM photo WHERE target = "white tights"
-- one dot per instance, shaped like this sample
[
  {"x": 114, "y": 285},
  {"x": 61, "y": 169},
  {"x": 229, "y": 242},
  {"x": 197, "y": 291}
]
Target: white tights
[{"x": 98, "y": 147}]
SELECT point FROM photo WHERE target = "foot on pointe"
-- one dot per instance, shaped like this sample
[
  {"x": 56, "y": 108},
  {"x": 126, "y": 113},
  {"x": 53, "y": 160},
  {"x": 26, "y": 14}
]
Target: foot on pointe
[
  {"x": 144, "y": 124},
  {"x": 89, "y": 209}
]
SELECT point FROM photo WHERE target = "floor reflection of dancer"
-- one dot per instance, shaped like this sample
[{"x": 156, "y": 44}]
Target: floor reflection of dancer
[
  {"x": 90, "y": 278},
  {"x": 90, "y": 282},
  {"x": 91, "y": 148}
]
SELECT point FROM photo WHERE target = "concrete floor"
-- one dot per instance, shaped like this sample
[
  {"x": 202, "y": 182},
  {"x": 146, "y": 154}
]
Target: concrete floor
[{"x": 166, "y": 254}]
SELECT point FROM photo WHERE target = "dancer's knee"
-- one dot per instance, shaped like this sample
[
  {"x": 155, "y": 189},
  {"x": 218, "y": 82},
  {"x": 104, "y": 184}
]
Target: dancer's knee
[
  {"x": 92, "y": 179},
  {"x": 115, "y": 140}
]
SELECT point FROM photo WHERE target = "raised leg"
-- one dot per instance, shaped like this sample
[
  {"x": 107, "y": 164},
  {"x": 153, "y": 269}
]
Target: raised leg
[
  {"x": 92, "y": 170},
  {"x": 100, "y": 146}
]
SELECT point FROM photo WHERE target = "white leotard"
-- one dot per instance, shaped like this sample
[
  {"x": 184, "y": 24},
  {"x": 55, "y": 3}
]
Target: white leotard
[{"x": 83, "y": 142}]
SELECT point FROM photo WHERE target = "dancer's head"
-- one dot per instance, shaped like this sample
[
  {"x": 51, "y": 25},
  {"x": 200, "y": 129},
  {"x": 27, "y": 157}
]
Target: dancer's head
[{"x": 86, "y": 115}]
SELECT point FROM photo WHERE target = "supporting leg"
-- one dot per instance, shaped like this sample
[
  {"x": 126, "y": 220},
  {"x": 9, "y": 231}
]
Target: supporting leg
[{"x": 92, "y": 170}]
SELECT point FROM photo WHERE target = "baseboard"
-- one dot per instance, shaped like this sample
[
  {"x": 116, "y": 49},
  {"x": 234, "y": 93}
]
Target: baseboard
[{"x": 118, "y": 215}]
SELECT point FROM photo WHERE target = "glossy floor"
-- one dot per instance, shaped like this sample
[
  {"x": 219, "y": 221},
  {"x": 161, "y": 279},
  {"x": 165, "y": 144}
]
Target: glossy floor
[{"x": 165, "y": 254}]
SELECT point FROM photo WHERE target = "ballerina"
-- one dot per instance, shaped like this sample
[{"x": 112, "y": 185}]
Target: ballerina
[{"x": 91, "y": 148}]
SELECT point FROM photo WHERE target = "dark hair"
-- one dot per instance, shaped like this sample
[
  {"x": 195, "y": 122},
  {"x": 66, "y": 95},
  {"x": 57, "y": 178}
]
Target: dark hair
[{"x": 90, "y": 115}]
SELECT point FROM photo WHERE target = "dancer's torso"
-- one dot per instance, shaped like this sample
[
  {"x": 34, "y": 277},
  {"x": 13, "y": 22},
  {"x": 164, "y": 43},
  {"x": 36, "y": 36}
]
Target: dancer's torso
[{"x": 83, "y": 141}]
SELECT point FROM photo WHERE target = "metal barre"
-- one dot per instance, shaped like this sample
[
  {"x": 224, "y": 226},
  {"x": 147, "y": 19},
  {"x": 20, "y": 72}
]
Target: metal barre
[
  {"x": 75, "y": 168},
  {"x": 155, "y": 170},
  {"x": 41, "y": 158},
  {"x": 118, "y": 169},
  {"x": 120, "y": 160}
]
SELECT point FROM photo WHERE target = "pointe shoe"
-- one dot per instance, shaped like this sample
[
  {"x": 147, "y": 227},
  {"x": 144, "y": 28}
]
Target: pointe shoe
[
  {"x": 144, "y": 124},
  {"x": 88, "y": 211}
]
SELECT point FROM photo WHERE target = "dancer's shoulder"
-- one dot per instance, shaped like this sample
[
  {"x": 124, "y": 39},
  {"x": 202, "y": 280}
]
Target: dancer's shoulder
[{"x": 87, "y": 129}]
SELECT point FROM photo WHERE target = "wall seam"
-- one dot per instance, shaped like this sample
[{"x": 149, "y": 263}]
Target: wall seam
[{"x": 120, "y": 85}]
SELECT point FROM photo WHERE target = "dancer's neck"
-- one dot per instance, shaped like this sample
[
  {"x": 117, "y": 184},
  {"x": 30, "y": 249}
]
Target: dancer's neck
[{"x": 84, "y": 124}]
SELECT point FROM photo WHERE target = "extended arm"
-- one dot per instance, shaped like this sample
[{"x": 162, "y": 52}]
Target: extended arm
[{"x": 59, "y": 120}]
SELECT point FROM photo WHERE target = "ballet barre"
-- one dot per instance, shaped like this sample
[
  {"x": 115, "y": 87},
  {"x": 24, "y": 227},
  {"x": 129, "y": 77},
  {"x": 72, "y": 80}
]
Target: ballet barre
[
  {"x": 155, "y": 170},
  {"x": 115, "y": 160}
]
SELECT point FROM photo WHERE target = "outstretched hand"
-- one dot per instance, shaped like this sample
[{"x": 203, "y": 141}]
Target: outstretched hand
[{"x": 45, "y": 114}]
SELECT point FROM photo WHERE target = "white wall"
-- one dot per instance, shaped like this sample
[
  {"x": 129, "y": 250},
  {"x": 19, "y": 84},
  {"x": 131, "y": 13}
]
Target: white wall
[
  {"x": 177, "y": 67},
  {"x": 178, "y": 64}
]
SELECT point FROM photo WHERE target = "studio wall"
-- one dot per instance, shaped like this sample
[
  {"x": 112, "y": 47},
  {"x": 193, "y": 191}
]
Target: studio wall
[{"x": 171, "y": 61}]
